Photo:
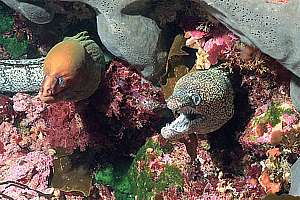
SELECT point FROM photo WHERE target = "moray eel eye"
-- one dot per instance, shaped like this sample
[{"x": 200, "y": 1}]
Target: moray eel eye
[
  {"x": 60, "y": 81},
  {"x": 196, "y": 99}
]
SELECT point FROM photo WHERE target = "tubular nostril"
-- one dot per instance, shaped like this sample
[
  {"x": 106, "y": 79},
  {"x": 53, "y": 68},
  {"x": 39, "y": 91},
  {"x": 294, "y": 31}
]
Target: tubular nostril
[{"x": 49, "y": 92}]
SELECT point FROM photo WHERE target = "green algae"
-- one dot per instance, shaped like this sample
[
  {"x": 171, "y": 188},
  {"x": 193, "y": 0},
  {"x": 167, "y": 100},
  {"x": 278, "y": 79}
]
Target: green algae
[
  {"x": 14, "y": 46},
  {"x": 129, "y": 181},
  {"x": 6, "y": 20},
  {"x": 273, "y": 114},
  {"x": 116, "y": 177},
  {"x": 170, "y": 173},
  {"x": 142, "y": 182},
  {"x": 105, "y": 175}
]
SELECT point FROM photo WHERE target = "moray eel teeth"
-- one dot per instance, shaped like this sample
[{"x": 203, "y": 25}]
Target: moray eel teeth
[
  {"x": 177, "y": 127},
  {"x": 188, "y": 117}
]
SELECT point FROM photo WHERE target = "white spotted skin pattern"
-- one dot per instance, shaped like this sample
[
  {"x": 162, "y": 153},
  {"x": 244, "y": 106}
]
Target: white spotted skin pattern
[
  {"x": 21, "y": 75},
  {"x": 217, "y": 98}
]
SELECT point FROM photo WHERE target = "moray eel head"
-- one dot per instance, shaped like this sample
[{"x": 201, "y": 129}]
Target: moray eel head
[
  {"x": 72, "y": 70},
  {"x": 202, "y": 102},
  {"x": 61, "y": 67}
]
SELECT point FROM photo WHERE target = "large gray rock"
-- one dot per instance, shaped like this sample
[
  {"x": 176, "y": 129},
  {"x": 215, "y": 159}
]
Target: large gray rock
[
  {"x": 39, "y": 12},
  {"x": 132, "y": 38},
  {"x": 295, "y": 179}
]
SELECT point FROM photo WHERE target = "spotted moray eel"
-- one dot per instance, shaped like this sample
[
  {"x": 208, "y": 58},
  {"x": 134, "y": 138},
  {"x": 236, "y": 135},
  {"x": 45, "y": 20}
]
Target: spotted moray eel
[{"x": 204, "y": 101}]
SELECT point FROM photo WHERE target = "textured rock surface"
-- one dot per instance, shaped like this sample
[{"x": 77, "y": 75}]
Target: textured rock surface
[
  {"x": 133, "y": 38},
  {"x": 38, "y": 12},
  {"x": 295, "y": 189}
]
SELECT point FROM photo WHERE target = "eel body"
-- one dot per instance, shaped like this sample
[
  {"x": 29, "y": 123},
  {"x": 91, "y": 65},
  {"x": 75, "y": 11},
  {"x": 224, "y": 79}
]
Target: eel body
[{"x": 21, "y": 75}]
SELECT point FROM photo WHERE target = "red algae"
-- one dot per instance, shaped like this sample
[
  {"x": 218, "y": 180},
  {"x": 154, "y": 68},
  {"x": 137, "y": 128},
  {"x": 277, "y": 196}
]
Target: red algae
[
  {"x": 7, "y": 112},
  {"x": 64, "y": 127},
  {"x": 129, "y": 97}
]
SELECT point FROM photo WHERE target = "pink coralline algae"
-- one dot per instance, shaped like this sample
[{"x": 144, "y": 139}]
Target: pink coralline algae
[
  {"x": 205, "y": 178},
  {"x": 219, "y": 45},
  {"x": 7, "y": 112},
  {"x": 26, "y": 140},
  {"x": 216, "y": 41},
  {"x": 24, "y": 174},
  {"x": 57, "y": 125},
  {"x": 274, "y": 123},
  {"x": 32, "y": 106},
  {"x": 262, "y": 90},
  {"x": 277, "y": 1},
  {"x": 129, "y": 97}
]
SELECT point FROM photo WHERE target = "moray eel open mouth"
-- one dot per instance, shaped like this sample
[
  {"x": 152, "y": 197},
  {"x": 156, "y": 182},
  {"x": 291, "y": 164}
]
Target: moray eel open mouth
[{"x": 187, "y": 117}]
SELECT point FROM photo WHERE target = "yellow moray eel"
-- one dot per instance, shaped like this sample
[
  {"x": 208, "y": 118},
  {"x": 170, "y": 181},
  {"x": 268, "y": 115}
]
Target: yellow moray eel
[
  {"x": 204, "y": 102},
  {"x": 72, "y": 69}
]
